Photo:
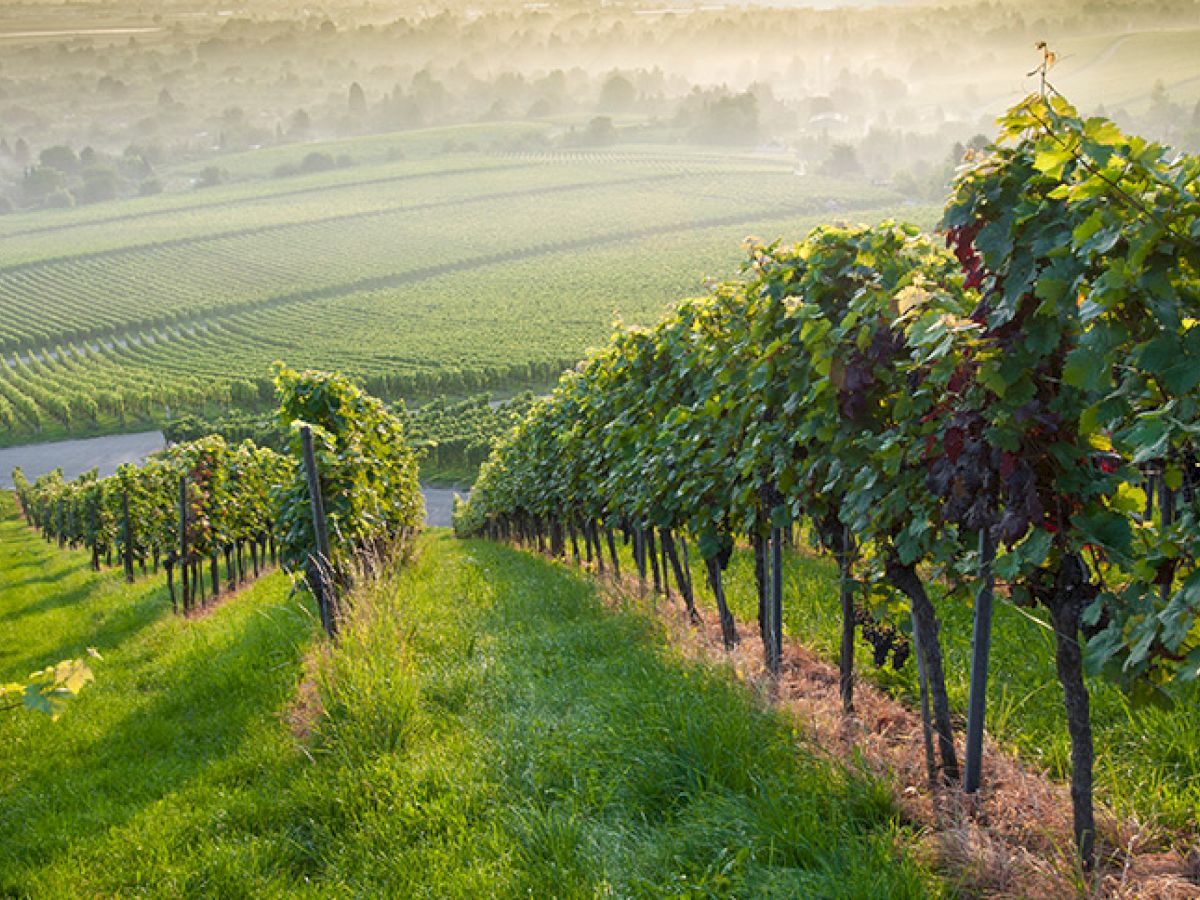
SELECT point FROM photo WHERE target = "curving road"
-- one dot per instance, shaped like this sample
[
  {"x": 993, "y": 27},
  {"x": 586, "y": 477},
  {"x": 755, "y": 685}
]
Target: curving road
[{"x": 75, "y": 457}]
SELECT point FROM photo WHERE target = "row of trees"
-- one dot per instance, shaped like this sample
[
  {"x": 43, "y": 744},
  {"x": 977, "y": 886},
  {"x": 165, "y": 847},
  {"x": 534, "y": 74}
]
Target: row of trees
[{"x": 1024, "y": 407}]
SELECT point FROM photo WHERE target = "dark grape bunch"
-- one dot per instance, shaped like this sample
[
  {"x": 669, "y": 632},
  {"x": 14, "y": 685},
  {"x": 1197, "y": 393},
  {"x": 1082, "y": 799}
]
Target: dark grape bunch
[
  {"x": 964, "y": 473},
  {"x": 884, "y": 639},
  {"x": 859, "y": 377},
  {"x": 976, "y": 480},
  {"x": 961, "y": 240}
]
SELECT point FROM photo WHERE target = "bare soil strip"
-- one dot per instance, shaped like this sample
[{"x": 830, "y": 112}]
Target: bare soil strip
[{"x": 1015, "y": 840}]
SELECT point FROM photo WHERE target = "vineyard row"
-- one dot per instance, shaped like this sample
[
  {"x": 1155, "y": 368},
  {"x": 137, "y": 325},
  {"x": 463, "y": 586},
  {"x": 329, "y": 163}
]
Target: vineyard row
[
  {"x": 349, "y": 473},
  {"x": 1023, "y": 407}
]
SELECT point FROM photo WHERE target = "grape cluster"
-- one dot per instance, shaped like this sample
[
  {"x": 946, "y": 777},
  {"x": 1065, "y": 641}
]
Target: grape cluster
[
  {"x": 884, "y": 639},
  {"x": 962, "y": 241},
  {"x": 964, "y": 473},
  {"x": 975, "y": 480},
  {"x": 859, "y": 378}
]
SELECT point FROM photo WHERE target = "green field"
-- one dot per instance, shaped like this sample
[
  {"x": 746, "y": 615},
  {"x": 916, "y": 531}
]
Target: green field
[
  {"x": 447, "y": 273},
  {"x": 533, "y": 743}
]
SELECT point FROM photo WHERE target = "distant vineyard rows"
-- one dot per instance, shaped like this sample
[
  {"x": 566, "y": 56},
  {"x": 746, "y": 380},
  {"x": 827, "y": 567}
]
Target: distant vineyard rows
[{"x": 183, "y": 316}]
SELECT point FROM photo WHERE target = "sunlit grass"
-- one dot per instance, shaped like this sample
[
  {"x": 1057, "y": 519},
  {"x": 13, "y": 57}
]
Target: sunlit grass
[{"x": 489, "y": 729}]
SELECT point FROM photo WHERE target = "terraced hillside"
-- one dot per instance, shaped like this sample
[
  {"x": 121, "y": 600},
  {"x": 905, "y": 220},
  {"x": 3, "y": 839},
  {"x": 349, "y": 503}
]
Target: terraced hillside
[{"x": 444, "y": 272}]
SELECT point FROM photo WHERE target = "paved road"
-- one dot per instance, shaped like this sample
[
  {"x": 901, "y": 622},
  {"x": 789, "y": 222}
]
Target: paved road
[
  {"x": 76, "y": 457},
  {"x": 439, "y": 504},
  {"x": 106, "y": 453}
]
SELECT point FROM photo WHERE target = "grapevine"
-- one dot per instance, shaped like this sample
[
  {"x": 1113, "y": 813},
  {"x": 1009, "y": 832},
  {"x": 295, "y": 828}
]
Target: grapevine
[{"x": 1037, "y": 385}]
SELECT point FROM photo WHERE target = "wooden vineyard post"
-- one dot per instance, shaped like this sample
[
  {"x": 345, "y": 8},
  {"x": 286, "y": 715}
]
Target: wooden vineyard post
[
  {"x": 612, "y": 551},
  {"x": 769, "y": 565},
  {"x": 557, "y": 545},
  {"x": 594, "y": 531},
  {"x": 775, "y": 603},
  {"x": 654, "y": 568},
  {"x": 926, "y": 724},
  {"x": 846, "y": 656},
  {"x": 94, "y": 518},
  {"x": 981, "y": 646},
  {"x": 1166, "y": 511},
  {"x": 170, "y": 566},
  {"x": 127, "y": 555},
  {"x": 322, "y": 587},
  {"x": 728, "y": 626},
  {"x": 183, "y": 545},
  {"x": 671, "y": 555},
  {"x": 639, "y": 557},
  {"x": 687, "y": 566}
]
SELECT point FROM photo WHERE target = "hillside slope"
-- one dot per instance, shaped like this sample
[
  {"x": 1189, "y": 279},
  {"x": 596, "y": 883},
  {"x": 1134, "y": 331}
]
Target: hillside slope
[{"x": 486, "y": 726}]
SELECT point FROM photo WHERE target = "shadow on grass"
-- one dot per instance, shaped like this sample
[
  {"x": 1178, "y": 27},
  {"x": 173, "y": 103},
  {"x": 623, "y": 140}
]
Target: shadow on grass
[
  {"x": 115, "y": 626},
  {"x": 184, "y": 704},
  {"x": 103, "y": 627},
  {"x": 53, "y": 600},
  {"x": 41, "y": 579},
  {"x": 626, "y": 764}
]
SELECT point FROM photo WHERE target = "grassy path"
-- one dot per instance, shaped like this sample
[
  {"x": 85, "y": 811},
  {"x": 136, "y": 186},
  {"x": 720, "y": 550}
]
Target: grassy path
[{"x": 486, "y": 728}]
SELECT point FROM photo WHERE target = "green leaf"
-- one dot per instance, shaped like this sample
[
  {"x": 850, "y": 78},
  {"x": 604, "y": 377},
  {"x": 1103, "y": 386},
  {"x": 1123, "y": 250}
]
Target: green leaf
[
  {"x": 1105, "y": 132},
  {"x": 1052, "y": 160},
  {"x": 1173, "y": 477},
  {"x": 1151, "y": 437},
  {"x": 1108, "y": 529},
  {"x": 1190, "y": 671},
  {"x": 1088, "y": 227},
  {"x": 1007, "y": 566},
  {"x": 1035, "y": 548},
  {"x": 1179, "y": 617},
  {"x": 1083, "y": 371}
]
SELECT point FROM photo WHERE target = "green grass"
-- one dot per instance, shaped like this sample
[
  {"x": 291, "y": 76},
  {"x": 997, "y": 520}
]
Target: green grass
[
  {"x": 490, "y": 730},
  {"x": 154, "y": 754},
  {"x": 1147, "y": 759}
]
